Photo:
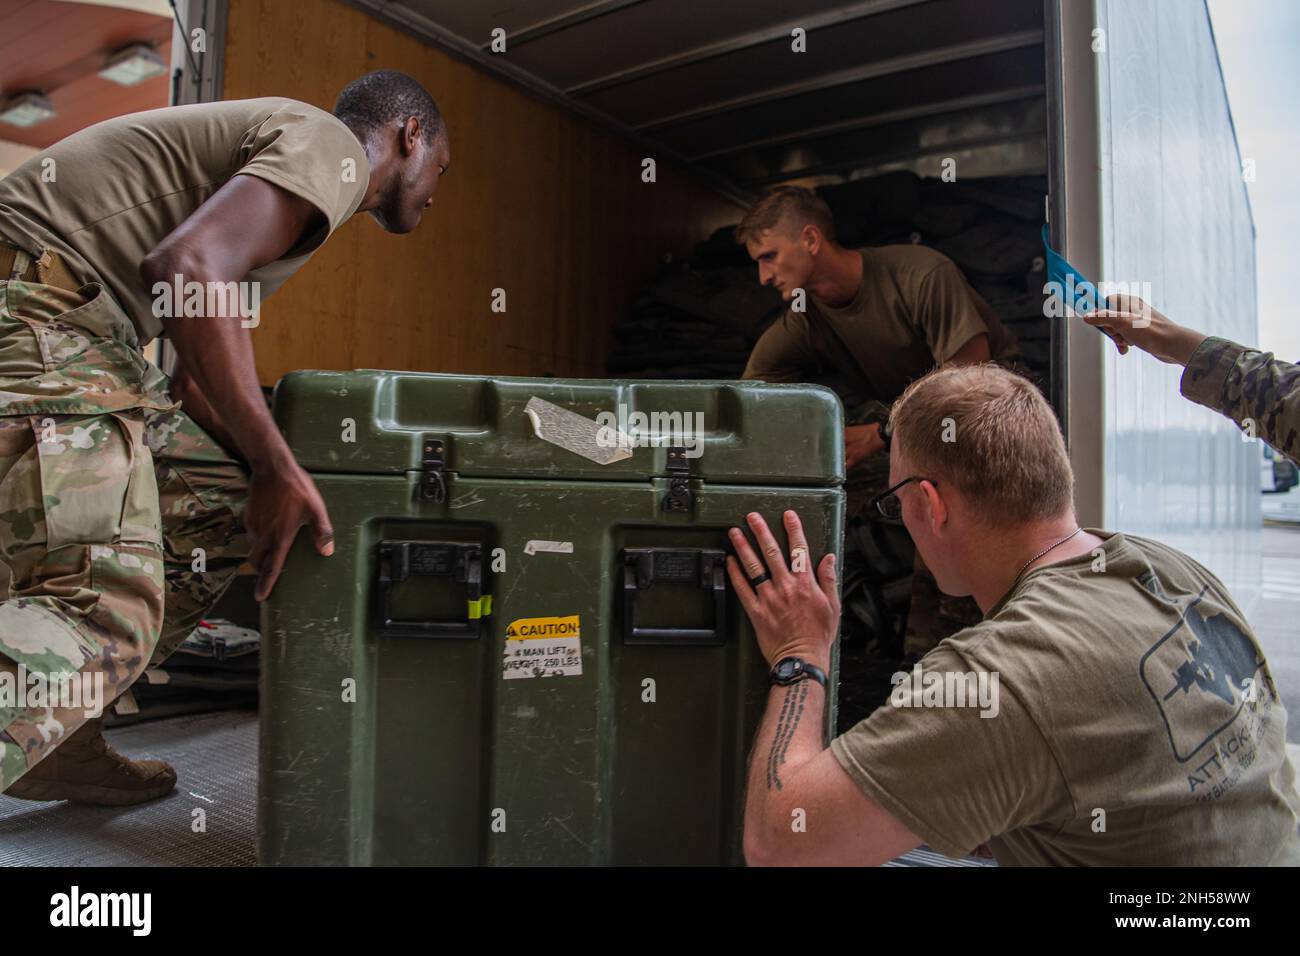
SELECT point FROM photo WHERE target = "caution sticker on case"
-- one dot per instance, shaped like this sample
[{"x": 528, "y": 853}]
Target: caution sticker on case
[{"x": 543, "y": 647}]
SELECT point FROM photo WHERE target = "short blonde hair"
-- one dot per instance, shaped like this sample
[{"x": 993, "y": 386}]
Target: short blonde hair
[
  {"x": 803, "y": 206},
  {"x": 991, "y": 434}
]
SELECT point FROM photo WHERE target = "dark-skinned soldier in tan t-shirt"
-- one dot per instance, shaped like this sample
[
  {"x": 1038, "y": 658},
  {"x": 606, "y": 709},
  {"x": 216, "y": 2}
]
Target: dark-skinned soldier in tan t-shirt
[
  {"x": 123, "y": 514},
  {"x": 873, "y": 321}
]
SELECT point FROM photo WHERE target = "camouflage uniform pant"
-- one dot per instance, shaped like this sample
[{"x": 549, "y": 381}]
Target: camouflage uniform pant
[
  {"x": 931, "y": 614},
  {"x": 934, "y": 615},
  {"x": 120, "y": 518}
]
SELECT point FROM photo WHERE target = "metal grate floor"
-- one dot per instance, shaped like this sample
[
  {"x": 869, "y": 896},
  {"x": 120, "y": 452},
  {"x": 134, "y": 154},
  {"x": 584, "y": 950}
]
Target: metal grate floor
[
  {"x": 215, "y": 756},
  {"x": 924, "y": 856}
]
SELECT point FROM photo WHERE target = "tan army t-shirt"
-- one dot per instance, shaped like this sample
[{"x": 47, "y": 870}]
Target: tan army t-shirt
[
  {"x": 913, "y": 311},
  {"x": 104, "y": 197},
  {"x": 1137, "y": 723}
]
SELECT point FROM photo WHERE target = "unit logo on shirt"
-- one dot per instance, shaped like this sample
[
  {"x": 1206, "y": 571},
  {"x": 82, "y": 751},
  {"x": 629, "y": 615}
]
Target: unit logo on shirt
[{"x": 1200, "y": 675}]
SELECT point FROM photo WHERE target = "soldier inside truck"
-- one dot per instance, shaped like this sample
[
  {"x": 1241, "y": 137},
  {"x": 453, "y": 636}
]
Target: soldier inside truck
[
  {"x": 867, "y": 322},
  {"x": 1136, "y": 720}
]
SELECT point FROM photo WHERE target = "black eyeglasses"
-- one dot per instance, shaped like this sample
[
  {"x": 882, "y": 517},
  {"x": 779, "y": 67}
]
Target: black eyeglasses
[{"x": 888, "y": 503}]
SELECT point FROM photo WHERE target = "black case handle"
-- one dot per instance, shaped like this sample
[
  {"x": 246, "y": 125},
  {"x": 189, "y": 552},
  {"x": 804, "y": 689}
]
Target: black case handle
[
  {"x": 642, "y": 567},
  {"x": 400, "y": 560}
]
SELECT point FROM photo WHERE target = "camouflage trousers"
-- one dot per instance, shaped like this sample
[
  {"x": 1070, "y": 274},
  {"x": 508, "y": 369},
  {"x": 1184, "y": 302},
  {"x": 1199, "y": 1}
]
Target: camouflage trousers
[
  {"x": 120, "y": 518},
  {"x": 931, "y": 614},
  {"x": 934, "y": 615}
]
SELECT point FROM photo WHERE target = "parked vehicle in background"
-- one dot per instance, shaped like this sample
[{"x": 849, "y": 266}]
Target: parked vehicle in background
[
  {"x": 1282, "y": 507},
  {"x": 1277, "y": 474},
  {"x": 1279, "y": 480}
]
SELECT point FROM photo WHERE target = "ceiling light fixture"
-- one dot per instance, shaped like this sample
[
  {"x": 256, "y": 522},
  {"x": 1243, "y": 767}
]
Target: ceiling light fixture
[
  {"x": 27, "y": 109},
  {"x": 134, "y": 64}
]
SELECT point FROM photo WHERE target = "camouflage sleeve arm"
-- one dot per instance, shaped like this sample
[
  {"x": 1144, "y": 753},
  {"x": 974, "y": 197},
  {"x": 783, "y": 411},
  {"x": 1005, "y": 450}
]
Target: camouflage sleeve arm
[{"x": 1248, "y": 385}]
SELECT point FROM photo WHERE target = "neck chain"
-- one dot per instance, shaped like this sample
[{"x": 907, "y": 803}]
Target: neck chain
[{"x": 1045, "y": 550}]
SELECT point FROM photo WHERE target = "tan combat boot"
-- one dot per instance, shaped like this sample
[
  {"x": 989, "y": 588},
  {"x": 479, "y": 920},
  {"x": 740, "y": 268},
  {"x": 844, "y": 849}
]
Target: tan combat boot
[{"x": 85, "y": 769}]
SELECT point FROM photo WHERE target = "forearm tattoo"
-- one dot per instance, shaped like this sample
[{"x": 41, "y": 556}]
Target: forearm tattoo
[{"x": 786, "y": 726}]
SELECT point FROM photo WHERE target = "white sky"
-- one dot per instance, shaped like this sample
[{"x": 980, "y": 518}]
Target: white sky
[{"x": 1259, "y": 46}]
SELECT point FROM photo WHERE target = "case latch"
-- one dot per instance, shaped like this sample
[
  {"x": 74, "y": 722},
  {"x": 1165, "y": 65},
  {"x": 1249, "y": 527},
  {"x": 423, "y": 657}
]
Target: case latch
[
  {"x": 679, "y": 497},
  {"x": 433, "y": 486}
]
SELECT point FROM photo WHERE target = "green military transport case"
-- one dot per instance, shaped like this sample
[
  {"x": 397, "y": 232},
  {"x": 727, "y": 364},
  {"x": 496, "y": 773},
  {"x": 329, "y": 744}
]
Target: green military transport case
[{"x": 525, "y": 649}]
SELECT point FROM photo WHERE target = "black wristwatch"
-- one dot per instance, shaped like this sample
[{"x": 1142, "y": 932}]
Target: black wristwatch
[
  {"x": 791, "y": 670},
  {"x": 886, "y": 433}
]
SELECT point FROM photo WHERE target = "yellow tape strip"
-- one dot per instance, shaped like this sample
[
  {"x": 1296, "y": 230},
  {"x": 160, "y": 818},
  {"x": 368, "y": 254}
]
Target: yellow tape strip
[{"x": 480, "y": 608}]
